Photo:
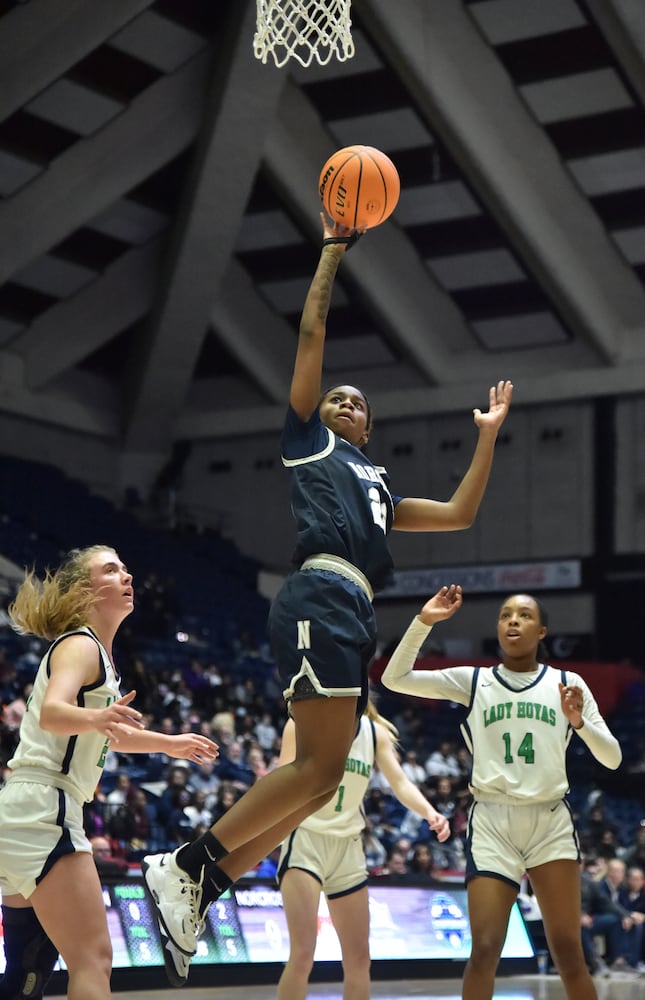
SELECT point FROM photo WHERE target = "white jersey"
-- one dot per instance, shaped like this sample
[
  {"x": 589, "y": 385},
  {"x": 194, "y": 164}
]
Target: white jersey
[
  {"x": 74, "y": 763},
  {"x": 518, "y": 736},
  {"x": 343, "y": 815},
  {"x": 515, "y": 727}
]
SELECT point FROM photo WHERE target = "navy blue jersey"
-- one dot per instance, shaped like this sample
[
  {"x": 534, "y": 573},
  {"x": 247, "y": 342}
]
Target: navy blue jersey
[{"x": 341, "y": 502}]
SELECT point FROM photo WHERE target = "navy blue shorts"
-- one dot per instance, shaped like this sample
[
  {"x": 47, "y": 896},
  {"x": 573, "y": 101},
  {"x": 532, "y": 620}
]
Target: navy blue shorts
[{"x": 322, "y": 629}]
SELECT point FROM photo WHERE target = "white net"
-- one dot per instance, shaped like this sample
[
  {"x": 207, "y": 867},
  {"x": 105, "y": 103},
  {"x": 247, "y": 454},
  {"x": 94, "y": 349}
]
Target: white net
[{"x": 304, "y": 30}]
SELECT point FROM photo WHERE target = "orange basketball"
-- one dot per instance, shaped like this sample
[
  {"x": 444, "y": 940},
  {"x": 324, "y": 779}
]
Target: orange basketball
[{"x": 359, "y": 187}]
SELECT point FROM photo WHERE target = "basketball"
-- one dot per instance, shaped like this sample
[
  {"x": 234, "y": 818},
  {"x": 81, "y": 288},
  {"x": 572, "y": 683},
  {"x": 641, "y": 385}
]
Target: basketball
[{"x": 359, "y": 187}]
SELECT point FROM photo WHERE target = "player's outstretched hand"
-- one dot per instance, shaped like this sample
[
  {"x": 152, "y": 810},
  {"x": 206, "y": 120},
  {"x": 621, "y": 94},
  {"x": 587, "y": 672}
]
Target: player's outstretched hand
[
  {"x": 192, "y": 746},
  {"x": 107, "y": 720},
  {"x": 499, "y": 400},
  {"x": 443, "y": 605}
]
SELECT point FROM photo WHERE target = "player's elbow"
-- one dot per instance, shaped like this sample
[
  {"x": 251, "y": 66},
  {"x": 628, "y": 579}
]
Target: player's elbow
[
  {"x": 389, "y": 682},
  {"x": 458, "y": 518}
]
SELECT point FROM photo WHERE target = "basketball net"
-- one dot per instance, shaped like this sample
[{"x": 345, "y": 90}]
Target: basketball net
[{"x": 304, "y": 30}]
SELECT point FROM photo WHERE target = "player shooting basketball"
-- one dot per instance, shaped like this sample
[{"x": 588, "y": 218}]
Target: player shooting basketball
[{"x": 322, "y": 623}]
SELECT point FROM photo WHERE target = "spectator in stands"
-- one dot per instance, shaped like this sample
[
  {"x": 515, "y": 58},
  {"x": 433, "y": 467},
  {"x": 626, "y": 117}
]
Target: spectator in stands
[
  {"x": 413, "y": 769},
  {"x": 465, "y": 764},
  {"x": 198, "y": 811},
  {"x": 600, "y": 917},
  {"x": 396, "y": 866},
  {"x": 447, "y": 855},
  {"x": 635, "y": 852},
  {"x": 169, "y": 799},
  {"x": 108, "y": 864},
  {"x": 266, "y": 733},
  {"x": 119, "y": 794},
  {"x": 613, "y": 878},
  {"x": 223, "y": 727},
  {"x": 625, "y": 945},
  {"x": 144, "y": 831},
  {"x": 204, "y": 778},
  {"x": 375, "y": 853},
  {"x": 179, "y": 828},
  {"x": 233, "y": 768},
  {"x": 227, "y": 796},
  {"x": 421, "y": 863},
  {"x": 632, "y": 897},
  {"x": 442, "y": 762},
  {"x": 403, "y": 843},
  {"x": 377, "y": 807},
  {"x": 94, "y": 814},
  {"x": 256, "y": 761},
  {"x": 594, "y": 826}
]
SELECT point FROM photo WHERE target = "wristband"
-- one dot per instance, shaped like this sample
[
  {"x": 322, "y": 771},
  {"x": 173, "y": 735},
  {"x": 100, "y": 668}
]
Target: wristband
[{"x": 349, "y": 241}]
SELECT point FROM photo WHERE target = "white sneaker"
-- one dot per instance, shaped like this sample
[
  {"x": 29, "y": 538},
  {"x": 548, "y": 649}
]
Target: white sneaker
[
  {"x": 177, "y": 964},
  {"x": 176, "y": 898}
]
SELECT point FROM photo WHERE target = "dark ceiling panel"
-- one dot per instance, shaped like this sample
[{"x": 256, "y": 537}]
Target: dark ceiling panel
[{"x": 446, "y": 211}]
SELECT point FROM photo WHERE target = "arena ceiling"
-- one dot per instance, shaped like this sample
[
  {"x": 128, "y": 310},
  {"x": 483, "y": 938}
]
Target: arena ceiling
[{"x": 159, "y": 212}]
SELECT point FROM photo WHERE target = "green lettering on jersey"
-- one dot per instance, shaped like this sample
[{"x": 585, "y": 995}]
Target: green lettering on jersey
[
  {"x": 106, "y": 746},
  {"x": 496, "y": 712},
  {"x": 356, "y": 766},
  {"x": 523, "y": 710}
]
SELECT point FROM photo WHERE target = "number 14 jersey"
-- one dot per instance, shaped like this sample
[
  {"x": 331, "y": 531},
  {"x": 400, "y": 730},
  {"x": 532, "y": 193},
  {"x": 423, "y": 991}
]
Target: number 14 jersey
[{"x": 518, "y": 735}]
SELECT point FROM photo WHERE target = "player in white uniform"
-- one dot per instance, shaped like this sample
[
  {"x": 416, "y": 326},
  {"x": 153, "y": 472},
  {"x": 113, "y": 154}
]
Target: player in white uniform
[
  {"x": 73, "y": 714},
  {"x": 521, "y": 717},
  {"x": 325, "y": 854}
]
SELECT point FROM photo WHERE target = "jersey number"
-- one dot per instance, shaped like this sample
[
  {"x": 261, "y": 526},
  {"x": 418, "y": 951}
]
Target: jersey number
[
  {"x": 339, "y": 801},
  {"x": 524, "y": 750},
  {"x": 379, "y": 509}
]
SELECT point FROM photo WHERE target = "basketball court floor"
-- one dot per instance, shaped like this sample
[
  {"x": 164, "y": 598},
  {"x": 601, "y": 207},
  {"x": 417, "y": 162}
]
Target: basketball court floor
[{"x": 532, "y": 987}]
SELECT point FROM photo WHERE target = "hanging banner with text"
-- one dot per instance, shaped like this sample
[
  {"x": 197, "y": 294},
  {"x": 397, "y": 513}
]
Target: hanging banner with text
[{"x": 552, "y": 575}]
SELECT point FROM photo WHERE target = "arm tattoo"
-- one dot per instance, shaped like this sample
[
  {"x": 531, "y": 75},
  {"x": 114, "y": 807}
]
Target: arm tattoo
[{"x": 326, "y": 273}]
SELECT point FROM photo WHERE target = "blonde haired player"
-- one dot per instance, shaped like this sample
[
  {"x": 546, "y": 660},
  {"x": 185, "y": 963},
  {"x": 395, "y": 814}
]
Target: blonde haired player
[
  {"x": 75, "y": 711},
  {"x": 520, "y": 719},
  {"x": 325, "y": 854}
]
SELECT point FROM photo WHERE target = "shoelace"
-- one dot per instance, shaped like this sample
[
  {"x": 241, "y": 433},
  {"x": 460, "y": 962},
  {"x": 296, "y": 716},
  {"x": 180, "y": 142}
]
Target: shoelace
[{"x": 194, "y": 894}]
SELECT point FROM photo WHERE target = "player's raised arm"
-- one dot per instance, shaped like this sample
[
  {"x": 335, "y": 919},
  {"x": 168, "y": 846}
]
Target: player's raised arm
[
  {"x": 307, "y": 372},
  {"x": 419, "y": 514}
]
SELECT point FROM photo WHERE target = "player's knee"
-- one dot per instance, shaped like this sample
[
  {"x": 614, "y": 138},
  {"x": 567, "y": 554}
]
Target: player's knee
[
  {"x": 357, "y": 965},
  {"x": 486, "y": 950},
  {"x": 302, "y": 961},
  {"x": 94, "y": 962},
  {"x": 567, "y": 953}
]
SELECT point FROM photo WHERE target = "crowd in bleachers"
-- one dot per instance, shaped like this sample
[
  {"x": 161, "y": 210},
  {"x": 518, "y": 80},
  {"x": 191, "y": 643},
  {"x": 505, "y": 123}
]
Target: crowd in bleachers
[{"x": 195, "y": 651}]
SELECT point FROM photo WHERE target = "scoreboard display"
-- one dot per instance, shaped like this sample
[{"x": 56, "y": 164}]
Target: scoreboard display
[{"x": 247, "y": 926}]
